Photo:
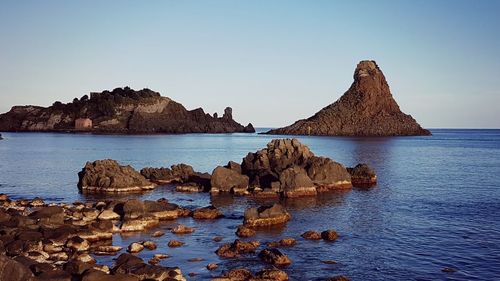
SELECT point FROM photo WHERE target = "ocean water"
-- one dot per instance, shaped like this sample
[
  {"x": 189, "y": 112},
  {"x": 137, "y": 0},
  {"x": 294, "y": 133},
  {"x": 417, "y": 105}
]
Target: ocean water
[{"x": 437, "y": 203}]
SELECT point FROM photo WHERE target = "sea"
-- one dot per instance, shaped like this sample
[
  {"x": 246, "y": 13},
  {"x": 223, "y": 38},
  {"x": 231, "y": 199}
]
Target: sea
[{"x": 436, "y": 205}]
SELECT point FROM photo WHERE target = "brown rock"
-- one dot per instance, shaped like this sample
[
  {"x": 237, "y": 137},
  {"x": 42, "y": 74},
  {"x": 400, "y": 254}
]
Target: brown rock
[
  {"x": 226, "y": 180},
  {"x": 266, "y": 216},
  {"x": 285, "y": 242},
  {"x": 295, "y": 182},
  {"x": 182, "y": 229},
  {"x": 362, "y": 176},
  {"x": 108, "y": 176},
  {"x": 274, "y": 257},
  {"x": 366, "y": 109},
  {"x": 329, "y": 235},
  {"x": 272, "y": 274},
  {"x": 338, "y": 278},
  {"x": 175, "y": 243},
  {"x": 212, "y": 266},
  {"x": 244, "y": 231},
  {"x": 327, "y": 174},
  {"x": 311, "y": 235},
  {"x": 236, "y": 248},
  {"x": 238, "y": 274},
  {"x": 209, "y": 212}
]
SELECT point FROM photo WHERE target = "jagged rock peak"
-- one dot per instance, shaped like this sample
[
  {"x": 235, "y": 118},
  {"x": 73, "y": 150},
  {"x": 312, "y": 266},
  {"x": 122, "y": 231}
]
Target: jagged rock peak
[{"x": 367, "y": 108}]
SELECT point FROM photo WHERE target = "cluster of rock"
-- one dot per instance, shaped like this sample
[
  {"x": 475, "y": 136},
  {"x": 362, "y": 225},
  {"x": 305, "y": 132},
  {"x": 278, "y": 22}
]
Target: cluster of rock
[
  {"x": 55, "y": 241},
  {"x": 121, "y": 111},
  {"x": 40, "y": 241},
  {"x": 285, "y": 168},
  {"x": 366, "y": 109}
]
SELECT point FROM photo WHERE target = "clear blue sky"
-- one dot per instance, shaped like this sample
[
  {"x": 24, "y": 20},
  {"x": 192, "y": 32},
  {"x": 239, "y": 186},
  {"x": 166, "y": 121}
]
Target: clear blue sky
[{"x": 273, "y": 61}]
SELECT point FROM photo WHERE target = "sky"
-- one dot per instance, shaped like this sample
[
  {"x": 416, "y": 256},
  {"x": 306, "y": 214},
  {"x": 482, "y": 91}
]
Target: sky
[{"x": 273, "y": 62}]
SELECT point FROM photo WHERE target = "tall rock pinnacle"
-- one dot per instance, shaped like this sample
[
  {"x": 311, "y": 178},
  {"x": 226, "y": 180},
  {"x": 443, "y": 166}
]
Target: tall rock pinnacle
[{"x": 366, "y": 109}]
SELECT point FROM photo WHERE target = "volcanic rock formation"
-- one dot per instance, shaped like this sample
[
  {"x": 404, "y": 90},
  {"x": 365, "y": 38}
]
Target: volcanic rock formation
[
  {"x": 121, "y": 111},
  {"x": 366, "y": 109}
]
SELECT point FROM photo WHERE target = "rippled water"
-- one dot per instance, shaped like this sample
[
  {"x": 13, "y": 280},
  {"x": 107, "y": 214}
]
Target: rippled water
[{"x": 437, "y": 203}]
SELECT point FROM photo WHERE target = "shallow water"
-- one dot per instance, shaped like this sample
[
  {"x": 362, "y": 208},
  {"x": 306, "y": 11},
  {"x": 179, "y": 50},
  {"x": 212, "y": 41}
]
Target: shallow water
[{"x": 437, "y": 203}]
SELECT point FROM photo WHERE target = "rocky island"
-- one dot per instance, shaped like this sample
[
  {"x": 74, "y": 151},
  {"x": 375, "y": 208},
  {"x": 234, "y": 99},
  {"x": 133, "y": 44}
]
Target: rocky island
[
  {"x": 366, "y": 109},
  {"x": 120, "y": 111}
]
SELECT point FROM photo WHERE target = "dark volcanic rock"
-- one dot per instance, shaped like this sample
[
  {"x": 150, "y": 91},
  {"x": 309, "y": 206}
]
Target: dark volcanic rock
[
  {"x": 362, "y": 176},
  {"x": 265, "y": 166},
  {"x": 327, "y": 174},
  {"x": 109, "y": 176},
  {"x": 226, "y": 180},
  {"x": 295, "y": 182},
  {"x": 13, "y": 270},
  {"x": 122, "y": 110},
  {"x": 366, "y": 109},
  {"x": 274, "y": 257}
]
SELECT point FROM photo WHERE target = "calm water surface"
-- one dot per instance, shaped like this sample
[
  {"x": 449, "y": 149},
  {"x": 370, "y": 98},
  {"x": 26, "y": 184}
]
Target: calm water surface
[{"x": 437, "y": 203}]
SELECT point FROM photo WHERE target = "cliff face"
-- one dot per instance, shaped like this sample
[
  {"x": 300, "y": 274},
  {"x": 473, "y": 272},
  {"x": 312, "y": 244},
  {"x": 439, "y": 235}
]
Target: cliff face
[
  {"x": 366, "y": 109},
  {"x": 121, "y": 111}
]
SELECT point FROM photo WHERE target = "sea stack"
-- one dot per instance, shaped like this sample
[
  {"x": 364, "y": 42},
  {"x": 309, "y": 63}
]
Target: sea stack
[{"x": 366, "y": 109}]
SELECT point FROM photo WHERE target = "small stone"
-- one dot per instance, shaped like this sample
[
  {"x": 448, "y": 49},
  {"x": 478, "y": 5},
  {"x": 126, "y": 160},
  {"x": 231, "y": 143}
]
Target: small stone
[
  {"x": 311, "y": 235},
  {"x": 175, "y": 243},
  {"x": 182, "y": 229},
  {"x": 218, "y": 238},
  {"x": 158, "y": 233},
  {"x": 150, "y": 245},
  {"x": 329, "y": 235},
  {"x": 135, "y": 247},
  {"x": 329, "y": 262},
  {"x": 212, "y": 266},
  {"x": 448, "y": 270},
  {"x": 195, "y": 260}
]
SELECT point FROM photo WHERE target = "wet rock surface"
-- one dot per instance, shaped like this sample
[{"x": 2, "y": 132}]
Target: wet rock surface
[{"x": 362, "y": 176}]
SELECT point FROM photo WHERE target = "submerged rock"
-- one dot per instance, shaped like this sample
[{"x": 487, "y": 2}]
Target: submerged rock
[
  {"x": 108, "y": 176},
  {"x": 238, "y": 247}
]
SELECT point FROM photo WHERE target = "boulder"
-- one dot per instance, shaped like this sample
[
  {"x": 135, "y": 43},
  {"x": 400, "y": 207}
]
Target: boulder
[
  {"x": 266, "y": 216},
  {"x": 362, "y": 176},
  {"x": 158, "y": 175},
  {"x": 226, "y": 180},
  {"x": 108, "y": 176},
  {"x": 135, "y": 247},
  {"x": 13, "y": 271},
  {"x": 327, "y": 174},
  {"x": 295, "y": 182},
  {"x": 129, "y": 264},
  {"x": 264, "y": 166}
]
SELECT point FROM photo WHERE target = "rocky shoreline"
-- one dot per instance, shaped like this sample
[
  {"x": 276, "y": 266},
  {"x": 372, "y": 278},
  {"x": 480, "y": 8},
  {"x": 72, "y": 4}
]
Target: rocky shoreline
[
  {"x": 40, "y": 241},
  {"x": 285, "y": 168}
]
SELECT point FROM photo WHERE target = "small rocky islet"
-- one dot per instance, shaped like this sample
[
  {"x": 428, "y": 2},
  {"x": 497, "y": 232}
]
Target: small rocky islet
[
  {"x": 40, "y": 241},
  {"x": 285, "y": 168}
]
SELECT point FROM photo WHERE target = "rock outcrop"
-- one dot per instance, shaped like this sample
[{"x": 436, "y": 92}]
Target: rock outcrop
[
  {"x": 366, "y": 109},
  {"x": 108, "y": 176},
  {"x": 288, "y": 167},
  {"x": 121, "y": 111}
]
